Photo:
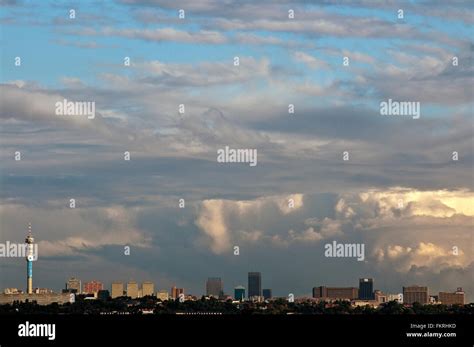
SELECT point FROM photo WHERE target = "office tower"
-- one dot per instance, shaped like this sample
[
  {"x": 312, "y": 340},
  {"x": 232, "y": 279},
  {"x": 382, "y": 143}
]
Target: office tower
[
  {"x": 214, "y": 287},
  {"x": 456, "y": 298},
  {"x": 175, "y": 292},
  {"x": 29, "y": 261},
  {"x": 117, "y": 289},
  {"x": 73, "y": 285},
  {"x": 148, "y": 288},
  {"x": 267, "y": 293},
  {"x": 379, "y": 296},
  {"x": 132, "y": 289},
  {"x": 239, "y": 293},
  {"x": 366, "y": 289},
  {"x": 163, "y": 295},
  {"x": 323, "y": 292},
  {"x": 414, "y": 294},
  {"x": 255, "y": 284},
  {"x": 92, "y": 287}
]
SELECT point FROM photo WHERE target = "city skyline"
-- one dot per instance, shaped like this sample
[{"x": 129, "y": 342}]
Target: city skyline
[
  {"x": 254, "y": 279},
  {"x": 133, "y": 292},
  {"x": 214, "y": 286},
  {"x": 364, "y": 295}
]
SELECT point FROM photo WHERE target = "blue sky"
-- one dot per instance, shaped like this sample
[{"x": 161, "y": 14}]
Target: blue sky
[
  {"x": 45, "y": 29},
  {"x": 282, "y": 61}
]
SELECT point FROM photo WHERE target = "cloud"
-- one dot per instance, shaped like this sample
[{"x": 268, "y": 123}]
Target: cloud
[
  {"x": 421, "y": 74},
  {"x": 25, "y": 102},
  {"x": 410, "y": 202},
  {"x": 204, "y": 74},
  {"x": 323, "y": 24},
  {"x": 320, "y": 230},
  {"x": 40, "y": 105},
  {"x": 291, "y": 203},
  {"x": 407, "y": 228},
  {"x": 160, "y": 35},
  {"x": 310, "y": 61},
  {"x": 376, "y": 216},
  {"x": 421, "y": 255},
  {"x": 223, "y": 221},
  {"x": 74, "y": 232},
  {"x": 252, "y": 39},
  {"x": 74, "y": 246},
  {"x": 358, "y": 56},
  {"x": 87, "y": 45},
  {"x": 212, "y": 222},
  {"x": 247, "y": 9}
]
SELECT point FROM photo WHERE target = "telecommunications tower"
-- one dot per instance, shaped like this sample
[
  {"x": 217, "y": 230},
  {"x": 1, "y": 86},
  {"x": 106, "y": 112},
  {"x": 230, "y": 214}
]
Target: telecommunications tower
[{"x": 29, "y": 261}]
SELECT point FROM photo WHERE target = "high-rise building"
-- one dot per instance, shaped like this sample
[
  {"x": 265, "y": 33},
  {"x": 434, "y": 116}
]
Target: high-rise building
[
  {"x": 73, "y": 285},
  {"x": 366, "y": 289},
  {"x": 29, "y": 260},
  {"x": 414, "y": 294},
  {"x": 92, "y": 287},
  {"x": 163, "y": 295},
  {"x": 255, "y": 284},
  {"x": 456, "y": 298},
  {"x": 117, "y": 289},
  {"x": 148, "y": 288},
  {"x": 175, "y": 292},
  {"x": 214, "y": 287},
  {"x": 267, "y": 294},
  {"x": 323, "y": 292},
  {"x": 379, "y": 296},
  {"x": 239, "y": 293},
  {"x": 132, "y": 289}
]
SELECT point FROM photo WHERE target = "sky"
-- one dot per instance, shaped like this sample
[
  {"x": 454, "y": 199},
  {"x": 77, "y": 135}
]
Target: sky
[{"x": 401, "y": 192}]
